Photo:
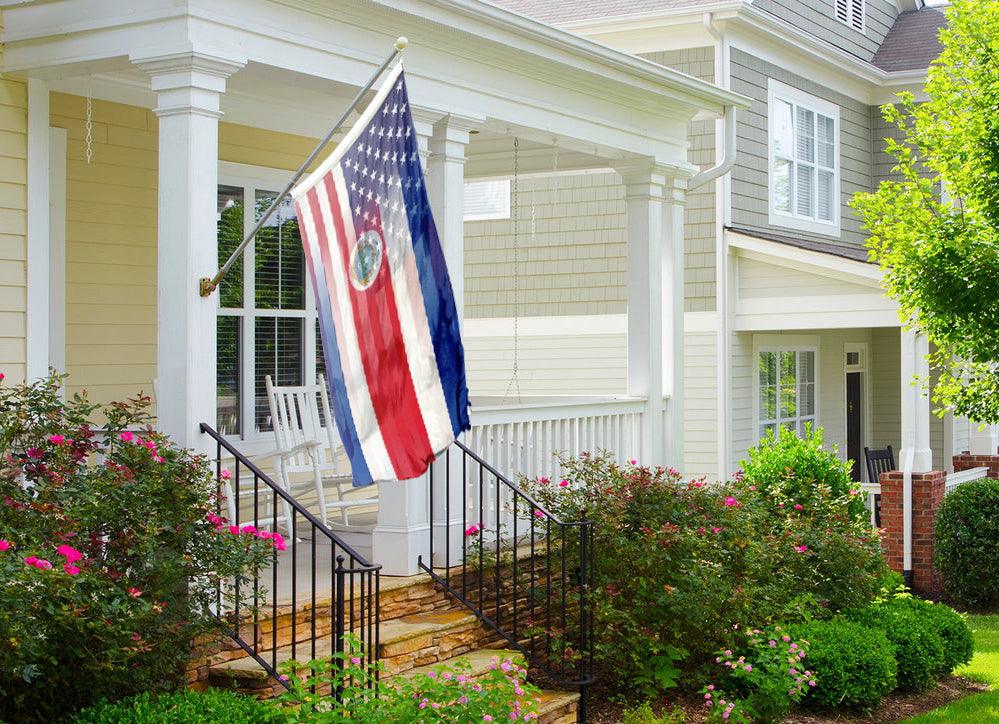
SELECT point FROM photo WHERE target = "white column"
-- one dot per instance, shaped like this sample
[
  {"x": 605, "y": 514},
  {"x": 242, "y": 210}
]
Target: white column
[
  {"x": 446, "y": 186},
  {"x": 38, "y": 230},
  {"x": 188, "y": 86},
  {"x": 654, "y": 197},
  {"x": 402, "y": 533},
  {"x": 983, "y": 439},
  {"x": 915, "y": 402},
  {"x": 916, "y": 455}
]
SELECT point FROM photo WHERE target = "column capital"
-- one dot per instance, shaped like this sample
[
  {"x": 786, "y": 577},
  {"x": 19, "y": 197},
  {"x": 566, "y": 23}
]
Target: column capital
[
  {"x": 187, "y": 80},
  {"x": 650, "y": 178}
]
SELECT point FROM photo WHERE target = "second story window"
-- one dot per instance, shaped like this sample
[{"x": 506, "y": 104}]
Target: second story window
[
  {"x": 850, "y": 12},
  {"x": 804, "y": 161}
]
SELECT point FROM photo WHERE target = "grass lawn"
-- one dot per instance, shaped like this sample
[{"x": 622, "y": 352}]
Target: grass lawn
[{"x": 984, "y": 668}]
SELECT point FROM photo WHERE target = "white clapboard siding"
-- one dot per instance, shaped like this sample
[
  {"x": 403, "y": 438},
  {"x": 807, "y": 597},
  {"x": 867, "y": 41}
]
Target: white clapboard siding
[{"x": 700, "y": 413}]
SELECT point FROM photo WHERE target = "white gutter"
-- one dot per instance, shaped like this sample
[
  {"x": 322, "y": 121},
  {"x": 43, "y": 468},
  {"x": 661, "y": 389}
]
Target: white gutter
[{"x": 728, "y": 155}]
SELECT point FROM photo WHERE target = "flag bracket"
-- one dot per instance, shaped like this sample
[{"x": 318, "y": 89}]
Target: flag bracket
[{"x": 207, "y": 285}]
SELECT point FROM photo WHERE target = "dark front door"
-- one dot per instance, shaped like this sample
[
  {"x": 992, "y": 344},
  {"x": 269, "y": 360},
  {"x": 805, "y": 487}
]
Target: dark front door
[{"x": 854, "y": 444}]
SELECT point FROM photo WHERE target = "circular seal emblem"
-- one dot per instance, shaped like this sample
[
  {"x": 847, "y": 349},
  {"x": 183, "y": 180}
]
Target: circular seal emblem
[{"x": 366, "y": 259}]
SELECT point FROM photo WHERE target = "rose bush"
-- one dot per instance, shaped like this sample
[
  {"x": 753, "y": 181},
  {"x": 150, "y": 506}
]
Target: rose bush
[
  {"x": 682, "y": 567},
  {"x": 111, "y": 549}
]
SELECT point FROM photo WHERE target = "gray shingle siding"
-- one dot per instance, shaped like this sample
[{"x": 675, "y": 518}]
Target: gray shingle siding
[
  {"x": 699, "y": 219},
  {"x": 750, "y": 177},
  {"x": 818, "y": 18}
]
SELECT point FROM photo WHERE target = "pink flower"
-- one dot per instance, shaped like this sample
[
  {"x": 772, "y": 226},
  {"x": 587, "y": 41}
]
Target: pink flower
[
  {"x": 563, "y": 483},
  {"x": 71, "y": 569},
  {"x": 854, "y": 492},
  {"x": 711, "y": 687},
  {"x": 41, "y": 564},
  {"x": 749, "y": 667},
  {"x": 134, "y": 592},
  {"x": 539, "y": 513},
  {"x": 56, "y": 439},
  {"x": 263, "y": 535},
  {"x": 126, "y": 436},
  {"x": 226, "y": 474},
  {"x": 355, "y": 660},
  {"x": 487, "y": 717},
  {"x": 248, "y": 529},
  {"x": 632, "y": 462},
  {"x": 801, "y": 548},
  {"x": 2, "y": 376},
  {"x": 730, "y": 501},
  {"x": 707, "y": 696},
  {"x": 279, "y": 543},
  {"x": 472, "y": 529},
  {"x": 799, "y": 506},
  {"x": 283, "y": 677},
  {"x": 462, "y": 699},
  {"x": 5, "y": 545},
  {"x": 811, "y": 682},
  {"x": 69, "y": 553},
  {"x": 544, "y": 480},
  {"x": 234, "y": 529},
  {"x": 773, "y": 643},
  {"x": 30, "y": 560},
  {"x": 34, "y": 452},
  {"x": 158, "y": 459},
  {"x": 715, "y": 530}
]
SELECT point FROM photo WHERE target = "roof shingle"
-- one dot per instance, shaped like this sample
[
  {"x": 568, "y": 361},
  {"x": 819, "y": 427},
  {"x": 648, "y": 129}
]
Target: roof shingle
[{"x": 912, "y": 42}]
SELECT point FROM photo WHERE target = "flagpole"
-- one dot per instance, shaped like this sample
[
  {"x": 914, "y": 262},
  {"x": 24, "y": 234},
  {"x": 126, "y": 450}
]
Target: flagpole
[{"x": 206, "y": 285}]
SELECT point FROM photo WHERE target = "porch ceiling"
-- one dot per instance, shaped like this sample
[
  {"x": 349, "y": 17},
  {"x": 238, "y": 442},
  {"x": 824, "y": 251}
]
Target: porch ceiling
[{"x": 304, "y": 57}]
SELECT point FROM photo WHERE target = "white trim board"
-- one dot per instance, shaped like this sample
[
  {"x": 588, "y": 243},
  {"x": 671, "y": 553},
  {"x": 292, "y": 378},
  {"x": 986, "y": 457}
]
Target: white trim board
[
  {"x": 37, "y": 315},
  {"x": 57, "y": 248},
  {"x": 807, "y": 260}
]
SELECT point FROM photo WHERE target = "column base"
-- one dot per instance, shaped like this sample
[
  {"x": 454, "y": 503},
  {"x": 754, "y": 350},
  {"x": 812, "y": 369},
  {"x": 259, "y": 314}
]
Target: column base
[{"x": 398, "y": 550}]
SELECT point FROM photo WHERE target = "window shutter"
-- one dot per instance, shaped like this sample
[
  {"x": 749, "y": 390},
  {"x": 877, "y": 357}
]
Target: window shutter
[
  {"x": 857, "y": 15},
  {"x": 843, "y": 10}
]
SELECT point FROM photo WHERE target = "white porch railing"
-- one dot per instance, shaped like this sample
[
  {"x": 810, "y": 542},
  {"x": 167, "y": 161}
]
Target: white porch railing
[
  {"x": 523, "y": 438},
  {"x": 965, "y": 476}
]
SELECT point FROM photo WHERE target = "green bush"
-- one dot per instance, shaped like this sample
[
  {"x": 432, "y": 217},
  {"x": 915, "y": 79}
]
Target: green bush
[
  {"x": 109, "y": 556},
  {"x": 795, "y": 470},
  {"x": 704, "y": 561},
  {"x": 209, "y": 707},
  {"x": 967, "y": 543},
  {"x": 855, "y": 665},
  {"x": 919, "y": 648},
  {"x": 952, "y": 628}
]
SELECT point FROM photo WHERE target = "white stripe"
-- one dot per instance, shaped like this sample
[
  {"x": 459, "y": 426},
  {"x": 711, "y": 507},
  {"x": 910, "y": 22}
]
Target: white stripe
[
  {"x": 362, "y": 409},
  {"x": 414, "y": 325}
]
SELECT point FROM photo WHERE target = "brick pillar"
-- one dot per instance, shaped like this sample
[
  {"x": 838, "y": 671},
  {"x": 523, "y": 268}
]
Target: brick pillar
[
  {"x": 927, "y": 494},
  {"x": 966, "y": 461}
]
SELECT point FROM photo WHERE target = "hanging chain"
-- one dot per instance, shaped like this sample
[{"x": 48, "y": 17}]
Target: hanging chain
[
  {"x": 514, "y": 383},
  {"x": 90, "y": 121}
]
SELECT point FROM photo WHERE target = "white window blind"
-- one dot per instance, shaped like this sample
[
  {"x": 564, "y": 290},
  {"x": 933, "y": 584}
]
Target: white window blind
[
  {"x": 804, "y": 161},
  {"x": 485, "y": 200},
  {"x": 851, "y": 12},
  {"x": 264, "y": 311},
  {"x": 787, "y": 390}
]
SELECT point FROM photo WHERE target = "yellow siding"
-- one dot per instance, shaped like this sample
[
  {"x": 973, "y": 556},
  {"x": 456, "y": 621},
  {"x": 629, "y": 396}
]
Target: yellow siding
[
  {"x": 13, "y": 227},
  {"x": 111, "y": 237}
]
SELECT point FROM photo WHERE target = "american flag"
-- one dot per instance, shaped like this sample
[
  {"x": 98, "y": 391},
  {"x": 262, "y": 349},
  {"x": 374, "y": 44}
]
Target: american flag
[{"x": 389, "y": 325}]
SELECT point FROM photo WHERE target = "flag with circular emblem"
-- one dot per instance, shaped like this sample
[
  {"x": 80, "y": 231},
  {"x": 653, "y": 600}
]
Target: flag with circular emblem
[{"x": 394, "y": 357}]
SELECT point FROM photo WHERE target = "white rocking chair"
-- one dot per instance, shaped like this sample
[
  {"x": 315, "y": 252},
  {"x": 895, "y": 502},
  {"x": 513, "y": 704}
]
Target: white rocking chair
[{"x": 307, "y": 444}]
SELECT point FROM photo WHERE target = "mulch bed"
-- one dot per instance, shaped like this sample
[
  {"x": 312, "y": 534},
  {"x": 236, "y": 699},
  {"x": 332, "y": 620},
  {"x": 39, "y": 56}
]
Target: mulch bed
[{"x": 895, "y": 707}]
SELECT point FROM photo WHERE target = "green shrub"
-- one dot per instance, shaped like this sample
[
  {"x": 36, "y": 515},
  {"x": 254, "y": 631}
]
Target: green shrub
[
  {"x": 952, "y": 628},
  {"x": 919, "y": 648},
  {"x": 643, "y": 714},
  {"x": 704, "y": 561},
  {"x": 794, "y": 469},
  {"x": 109, "y": 558},
  {"x": 854, "y": 664},
  {"x": 967, "y": 543},
  {"x": 209, "y": 707}
]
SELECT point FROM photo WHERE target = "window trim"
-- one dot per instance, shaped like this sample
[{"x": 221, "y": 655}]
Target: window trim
[
  {"x": 784, "y": 343},
  {"x": 850, "y": 16},
  {"x": 501, "y": 214},
  {"x": 252, "y": 179},
  {"x": 781, "y": 91}
]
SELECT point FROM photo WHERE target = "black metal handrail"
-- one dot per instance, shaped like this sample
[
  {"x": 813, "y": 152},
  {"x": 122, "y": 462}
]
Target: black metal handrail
[
  {"x": 519, "y": 568},
  {"x": 349, "y": 599}
]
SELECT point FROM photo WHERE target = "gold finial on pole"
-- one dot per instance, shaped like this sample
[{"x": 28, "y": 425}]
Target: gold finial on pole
[{"x": 401, "y": 42}]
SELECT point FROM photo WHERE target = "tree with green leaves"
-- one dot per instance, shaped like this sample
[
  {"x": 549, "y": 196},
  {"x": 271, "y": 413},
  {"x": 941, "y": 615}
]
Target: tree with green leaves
[{"x": 935, "y": 226}]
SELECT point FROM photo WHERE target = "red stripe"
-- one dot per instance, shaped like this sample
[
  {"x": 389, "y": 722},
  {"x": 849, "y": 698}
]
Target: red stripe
[{"x": 383, "y": 353}]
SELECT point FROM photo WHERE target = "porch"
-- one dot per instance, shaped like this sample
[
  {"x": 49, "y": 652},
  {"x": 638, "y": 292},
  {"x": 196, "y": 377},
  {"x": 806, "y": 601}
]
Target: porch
[{"x": 150, "y": 190}]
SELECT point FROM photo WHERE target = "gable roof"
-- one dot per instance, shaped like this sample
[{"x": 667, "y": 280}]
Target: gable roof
[
  {"x": 912, "y": 42},
  {"x": 557, "y": 12}
]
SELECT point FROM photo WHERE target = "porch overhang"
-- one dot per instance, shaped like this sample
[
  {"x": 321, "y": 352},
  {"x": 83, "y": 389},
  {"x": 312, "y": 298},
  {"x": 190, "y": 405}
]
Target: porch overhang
[
  {"x": 466, "y": 57},
  {"x": 788, "y": 287}
]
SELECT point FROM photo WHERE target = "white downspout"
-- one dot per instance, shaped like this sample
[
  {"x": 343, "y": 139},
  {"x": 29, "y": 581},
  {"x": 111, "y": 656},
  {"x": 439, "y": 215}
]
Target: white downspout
[{"x": 728, "y": 154}]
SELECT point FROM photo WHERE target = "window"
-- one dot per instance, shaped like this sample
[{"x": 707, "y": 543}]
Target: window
[
  {"x": 786, "y": 390},
  {"x": 266, "y": 316},
  {"x": 485, "y": 200},
  {"x": 850, "y": 12},
  {"x": 804, "y": 161}
]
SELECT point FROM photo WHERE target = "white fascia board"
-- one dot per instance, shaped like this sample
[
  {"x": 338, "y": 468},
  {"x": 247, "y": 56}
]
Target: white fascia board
[
  {"x": 812, "y": 262},
  {"x": 815, "y": 320}
]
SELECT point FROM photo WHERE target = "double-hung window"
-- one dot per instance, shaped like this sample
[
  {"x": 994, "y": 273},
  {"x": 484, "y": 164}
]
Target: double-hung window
[
  {"x": 804, "y": 161},
  {"x": 786, "y": 389},
  {"x": 266, "y": 316}
]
